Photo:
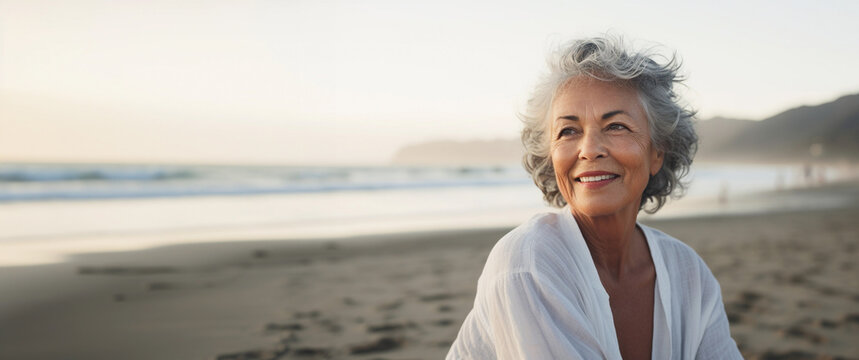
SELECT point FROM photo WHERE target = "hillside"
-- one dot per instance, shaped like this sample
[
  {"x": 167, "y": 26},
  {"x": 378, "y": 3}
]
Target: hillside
[
  {"x": 832, "y": 128},
  {"x": 827, "y": 132}
]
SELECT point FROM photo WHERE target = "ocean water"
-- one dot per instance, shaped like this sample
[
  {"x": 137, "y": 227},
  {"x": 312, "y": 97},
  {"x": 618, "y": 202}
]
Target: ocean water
[
  {"x": 49, "y": 211},
  {"x": 34, "y": 182}
]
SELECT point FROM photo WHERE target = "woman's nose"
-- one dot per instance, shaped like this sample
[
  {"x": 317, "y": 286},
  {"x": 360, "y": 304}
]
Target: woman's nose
[{"x": 592, "y": 146}]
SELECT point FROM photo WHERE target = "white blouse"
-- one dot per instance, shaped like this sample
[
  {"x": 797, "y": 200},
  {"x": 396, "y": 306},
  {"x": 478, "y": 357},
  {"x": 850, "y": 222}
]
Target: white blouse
[{"x": 540, "y": 297}]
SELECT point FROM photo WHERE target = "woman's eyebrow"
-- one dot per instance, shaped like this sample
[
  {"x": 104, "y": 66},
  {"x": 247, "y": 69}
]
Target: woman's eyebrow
[
  {"x": 605, "y": 116},
  {"x": 568, "y": 117},
  {"x": 613, "y": 113}
]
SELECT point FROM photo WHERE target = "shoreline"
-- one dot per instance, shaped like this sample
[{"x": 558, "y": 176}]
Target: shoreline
[
  {"x": 30, "y": 250},
  {"x": 788, "y": 283}
]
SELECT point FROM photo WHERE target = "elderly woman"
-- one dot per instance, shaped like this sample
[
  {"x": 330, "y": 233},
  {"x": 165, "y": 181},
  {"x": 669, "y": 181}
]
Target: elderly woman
[{"x": 605, "y": 138}]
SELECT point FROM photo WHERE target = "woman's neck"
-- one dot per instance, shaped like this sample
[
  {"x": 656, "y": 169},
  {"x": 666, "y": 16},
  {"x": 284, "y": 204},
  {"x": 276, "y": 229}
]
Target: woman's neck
[{"x": 616, "y": 244}]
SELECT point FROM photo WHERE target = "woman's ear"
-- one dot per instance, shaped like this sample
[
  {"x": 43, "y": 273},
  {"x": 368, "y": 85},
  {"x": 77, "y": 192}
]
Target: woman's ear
[{"x": 656, "y": 159}]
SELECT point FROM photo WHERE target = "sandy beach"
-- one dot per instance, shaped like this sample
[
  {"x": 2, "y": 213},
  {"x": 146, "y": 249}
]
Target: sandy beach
[{"x": 789, "y": 282}]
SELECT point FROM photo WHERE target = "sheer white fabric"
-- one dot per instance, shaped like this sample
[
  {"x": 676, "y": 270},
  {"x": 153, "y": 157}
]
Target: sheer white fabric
[{"x": 540, "y": 297}]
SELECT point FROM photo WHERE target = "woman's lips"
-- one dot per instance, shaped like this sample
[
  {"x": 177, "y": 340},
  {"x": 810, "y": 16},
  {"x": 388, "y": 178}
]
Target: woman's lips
[{"x": 594, "y": 181}]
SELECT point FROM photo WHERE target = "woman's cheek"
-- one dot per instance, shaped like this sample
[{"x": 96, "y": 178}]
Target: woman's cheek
[
  {"x": 564, "y": 186},
  {"x": 562, "y": 162}
]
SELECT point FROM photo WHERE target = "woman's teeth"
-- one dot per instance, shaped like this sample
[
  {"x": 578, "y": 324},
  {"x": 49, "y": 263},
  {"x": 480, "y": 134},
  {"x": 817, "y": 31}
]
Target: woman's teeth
[{"x": 596, "y": 178}]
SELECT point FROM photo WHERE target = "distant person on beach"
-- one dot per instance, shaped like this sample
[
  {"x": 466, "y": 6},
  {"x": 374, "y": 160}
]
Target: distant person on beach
[
  {"x": 723, "y": 192},
  {"x": 605, "y": 137}
]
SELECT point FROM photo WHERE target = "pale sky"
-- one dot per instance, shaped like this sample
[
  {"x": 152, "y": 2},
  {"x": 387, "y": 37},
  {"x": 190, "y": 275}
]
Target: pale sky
[{"x": 349, "y": 82}]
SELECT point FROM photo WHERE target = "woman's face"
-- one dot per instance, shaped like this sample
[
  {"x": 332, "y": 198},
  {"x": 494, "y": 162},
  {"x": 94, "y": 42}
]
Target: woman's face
[{"x": 600, "y": 147}]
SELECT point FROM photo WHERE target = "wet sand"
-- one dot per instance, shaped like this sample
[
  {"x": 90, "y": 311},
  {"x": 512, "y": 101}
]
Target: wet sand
[{"x": 789, "y": 282}]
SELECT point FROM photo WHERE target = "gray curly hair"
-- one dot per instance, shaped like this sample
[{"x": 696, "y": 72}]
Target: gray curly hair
[{"x": 608, "y": 59}]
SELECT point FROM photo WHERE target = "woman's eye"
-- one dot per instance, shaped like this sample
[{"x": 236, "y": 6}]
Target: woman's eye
[
  {"x": 617, "y": 126},
  {"x": 566, "y": 132}
]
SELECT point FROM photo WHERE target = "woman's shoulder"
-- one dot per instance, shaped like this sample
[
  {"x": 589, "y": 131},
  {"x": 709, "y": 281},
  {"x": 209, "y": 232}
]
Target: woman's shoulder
[
  {"x": 526, "y": 246},
  {"x": 671, "y": 248},
  {"x": 683, "y": 263}
]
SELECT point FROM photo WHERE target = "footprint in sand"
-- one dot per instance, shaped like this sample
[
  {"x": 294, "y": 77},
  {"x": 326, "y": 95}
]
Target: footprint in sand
[
  {"x": 391, "y": 305},
  {"x": 330, "y": 325},
  {"x": 271, "y": 354},
  {"x": 312, "y": 352},
  {"x": 349, "y": 301},
  {"x": 390, "y": 327},
  {"x": 445, "y": 308},
  {"x": 283, "y": 327},
  {"x": 437, "y": 297},
  {"x": 379, "y": 345},
  {"x": 785, "y": 355},
  {"x": 797, "y": 331},
  {"x": 737, "y": 308},
  {"x": 313, "y": 314},
  {"x": 443, "y": 322},
  {"x": 850, "y": 319}
]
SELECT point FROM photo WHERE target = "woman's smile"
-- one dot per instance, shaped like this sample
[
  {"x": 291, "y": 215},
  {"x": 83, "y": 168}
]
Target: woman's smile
[{"x": 596, "y": 179}]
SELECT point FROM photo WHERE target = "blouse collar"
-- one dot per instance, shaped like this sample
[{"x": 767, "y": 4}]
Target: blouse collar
[{"x": 662, "y": 292}]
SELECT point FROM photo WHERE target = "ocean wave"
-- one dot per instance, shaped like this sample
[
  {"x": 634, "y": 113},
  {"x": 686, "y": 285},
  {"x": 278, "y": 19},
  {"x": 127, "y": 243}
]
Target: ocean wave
[
  {"x": 43, "y": 173},
  {"x": 70, "y": 182}
]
